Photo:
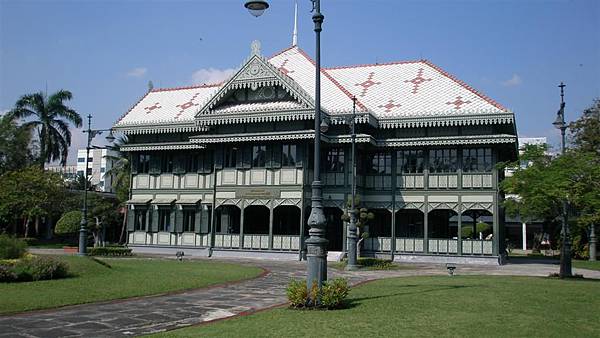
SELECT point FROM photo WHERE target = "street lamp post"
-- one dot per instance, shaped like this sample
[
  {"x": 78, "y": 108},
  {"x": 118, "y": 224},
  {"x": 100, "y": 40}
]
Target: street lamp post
[
  {"x": 565, "y": 249},
  {"x": 352, "y": 235},
  {"x": 316, "y": 244},
  {"x": 91, "y": 133}
]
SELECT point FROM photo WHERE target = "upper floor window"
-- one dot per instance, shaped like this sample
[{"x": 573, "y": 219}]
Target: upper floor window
[
  {"x": 410, "y": 161},
  {"x": 442, "y": 160},
  {"x": 334, "y": 161},
  {"x": 166, "y": 165},
  {"x": 144, "y": 163},
  {"x": 81, "y": 159},
  {"x": 230, "y": 157},
  {"x": 259, "y": 156},
  {"x": 477, "y": 159},
  {"x": 381, "y": 163},
  {"x": 288, "y": 156}
]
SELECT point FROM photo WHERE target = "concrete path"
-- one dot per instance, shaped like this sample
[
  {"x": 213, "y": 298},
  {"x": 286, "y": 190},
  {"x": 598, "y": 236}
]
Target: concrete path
[{"x": 158, "y": 313}]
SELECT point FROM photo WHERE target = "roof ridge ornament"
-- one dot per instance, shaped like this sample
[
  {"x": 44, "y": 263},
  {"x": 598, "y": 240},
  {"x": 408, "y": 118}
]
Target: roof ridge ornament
[{"x": 255, "y": 48}]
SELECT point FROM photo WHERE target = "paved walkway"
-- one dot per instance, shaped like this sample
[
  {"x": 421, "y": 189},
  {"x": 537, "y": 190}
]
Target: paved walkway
[{"x": 153, "y": 314}]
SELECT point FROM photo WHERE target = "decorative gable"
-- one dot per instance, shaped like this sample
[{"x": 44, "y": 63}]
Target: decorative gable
[{"x": 258, "y": 87}]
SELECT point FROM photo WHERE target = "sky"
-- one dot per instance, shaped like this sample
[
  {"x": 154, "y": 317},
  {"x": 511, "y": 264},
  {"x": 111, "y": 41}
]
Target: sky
[{"x": 105, "y": 52}]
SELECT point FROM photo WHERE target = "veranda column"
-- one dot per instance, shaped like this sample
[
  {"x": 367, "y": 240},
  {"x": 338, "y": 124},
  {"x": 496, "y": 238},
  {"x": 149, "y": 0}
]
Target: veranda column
[
  {"x": 524, "y": 234},
  {"x": 271, "y": 225},
  {"x": 242, "y": 225},
  {"x": 426, "y": 226},
  {"x": 459, "y": 250}
]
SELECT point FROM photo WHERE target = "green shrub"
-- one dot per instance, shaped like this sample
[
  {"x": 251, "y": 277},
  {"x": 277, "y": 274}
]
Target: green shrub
[
  {"x": 331, "y": 296},
  {"x": 297, "y": 293},
  {"x": 7, "y": 274},
  {"x": 333, "y": 293},
  {"x": 69, "y": 223},
  {"x": 40, "y": 268},
  {"x": 11, "y": 247},
  {"x": 376, "y": 263},
  {"x": 110, "y": 251}
]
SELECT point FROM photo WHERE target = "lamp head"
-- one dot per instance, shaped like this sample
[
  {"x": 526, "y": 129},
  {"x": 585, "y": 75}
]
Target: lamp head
[
  {"x": 256, "y": 7},
  {"x": 559, "y": 123}
]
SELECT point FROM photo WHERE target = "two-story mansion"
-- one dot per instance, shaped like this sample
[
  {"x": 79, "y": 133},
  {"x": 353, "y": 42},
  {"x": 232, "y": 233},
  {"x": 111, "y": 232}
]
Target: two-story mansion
[{"x": 227, "y": 167}]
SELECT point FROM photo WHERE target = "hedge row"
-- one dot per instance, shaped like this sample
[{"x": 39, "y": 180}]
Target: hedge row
[
  {"x": 110, "y": 251},
  {"x": 34, "y": 269}
]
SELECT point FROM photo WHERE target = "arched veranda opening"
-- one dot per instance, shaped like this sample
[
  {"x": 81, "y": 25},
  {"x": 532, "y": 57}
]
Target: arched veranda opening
[{"x": 286, "y": 227}]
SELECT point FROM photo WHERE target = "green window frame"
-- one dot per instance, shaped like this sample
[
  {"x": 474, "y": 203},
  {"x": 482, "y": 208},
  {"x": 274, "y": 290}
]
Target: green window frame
[
  {"x": 410, "y": 161},
  {"x": 189, "y": 219},
  {"x": 164, "y": 220},
  {"x": 288, "y": 155},
  {"x": 443, "y": 160},
  {"x": 139, "y": 219},
  {"x": 477, "y": 160}
]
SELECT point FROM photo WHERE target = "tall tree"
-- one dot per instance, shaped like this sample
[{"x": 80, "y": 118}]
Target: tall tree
[
  {"x": 50, "y": 118},
  {"x": 121, "y": 176},
  {"x": 15, "y": 152}
]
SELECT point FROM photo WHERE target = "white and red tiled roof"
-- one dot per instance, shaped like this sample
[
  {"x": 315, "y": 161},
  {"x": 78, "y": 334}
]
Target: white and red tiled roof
[{"x": 388, "y": 91}]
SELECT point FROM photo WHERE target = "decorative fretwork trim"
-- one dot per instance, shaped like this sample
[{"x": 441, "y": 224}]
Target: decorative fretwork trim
[
  {"x": 447, "y": 121},
  {"x": 254, "y": 137},
  {"x": 160, "y": 146}
]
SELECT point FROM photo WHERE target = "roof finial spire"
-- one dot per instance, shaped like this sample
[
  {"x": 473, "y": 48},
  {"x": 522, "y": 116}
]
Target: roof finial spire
[{"x": 295, "y": 33}]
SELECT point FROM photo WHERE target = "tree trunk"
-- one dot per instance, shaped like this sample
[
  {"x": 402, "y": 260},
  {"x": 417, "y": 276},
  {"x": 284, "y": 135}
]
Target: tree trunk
[
  {"x": 123, "y": 225},
  {"x": 26, "y": 227},
  {"x": 37, "y": 226}
]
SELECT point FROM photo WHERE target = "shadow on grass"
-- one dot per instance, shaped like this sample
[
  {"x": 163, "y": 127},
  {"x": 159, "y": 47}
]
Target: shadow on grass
[{"x": 354, "y": 302}]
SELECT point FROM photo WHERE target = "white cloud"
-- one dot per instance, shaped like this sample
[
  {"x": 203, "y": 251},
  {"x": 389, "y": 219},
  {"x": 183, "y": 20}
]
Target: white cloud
[
  {"x": 514, "y": 81},
  {"x": 211, "y": 75},
  {"x": 137, "y": 72}
]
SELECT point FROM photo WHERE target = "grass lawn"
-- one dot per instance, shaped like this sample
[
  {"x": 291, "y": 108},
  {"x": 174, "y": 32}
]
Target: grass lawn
[
  {"x": 587, "y": 265},
  {"x": 127, "y": 277},
  {"x": 472, "y": 306}
]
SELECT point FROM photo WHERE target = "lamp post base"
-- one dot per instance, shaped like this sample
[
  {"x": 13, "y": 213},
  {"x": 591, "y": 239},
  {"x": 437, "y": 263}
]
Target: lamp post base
[
  {"x": 82, "y": 242},
  {"x": 593, "y": 243}
]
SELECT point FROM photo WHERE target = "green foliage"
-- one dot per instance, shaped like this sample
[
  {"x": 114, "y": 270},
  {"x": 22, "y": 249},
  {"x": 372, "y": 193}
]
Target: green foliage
[
  {"x": 69, "y": 223},
  {"x": 30, "y": 193},
  {"x": 467, "y": 230},
  {"x": 7, "y": 274},
  {"x": 109, "y": 251},
  {"x": 50, "y": 118},
  {"x": 39, "y": 268},
  {"x": 15, "y": 152},
  {"x": 376, "y": 263},
  {"x": 297, "y": 293},
  {"x": 332, "y": 294},
  {"x": 11, "y": 247}
]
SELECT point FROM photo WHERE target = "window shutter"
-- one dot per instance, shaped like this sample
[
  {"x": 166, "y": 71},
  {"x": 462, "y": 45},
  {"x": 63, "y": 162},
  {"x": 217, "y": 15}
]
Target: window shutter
[
  {"x": 178, "y": 220},
  {"x": 135, "y": 159},
  {"x": 198, "y": 221},
  {"x": 130, "y": 219},
  {"x": 239, "y": 160},
  {"x": 218, "y": 158},
  {"x": 247, "y": 155},
  {"x": 205, "y": 222},
  {"x": 154, "y": 220},
  {"x": 154, "y": 164},
  {"x": 207, "y": 162},
  {"x": 269, "y": 156},
  {"x": 300, "y": 160},
  {"x": 179, "y": 164},
  {"x": 276, "y": 156}
]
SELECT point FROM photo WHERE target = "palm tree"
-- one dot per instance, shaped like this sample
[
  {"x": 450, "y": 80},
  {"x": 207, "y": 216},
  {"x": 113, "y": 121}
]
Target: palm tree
[
  {"x": 120, "y": 174},
  {"x": 50, "y": 117}
]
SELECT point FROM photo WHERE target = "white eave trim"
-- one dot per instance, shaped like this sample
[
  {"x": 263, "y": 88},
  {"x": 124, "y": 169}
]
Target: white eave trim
[
  {"x": 254, "y": 137},
  {"x": 160, "y": 146}
]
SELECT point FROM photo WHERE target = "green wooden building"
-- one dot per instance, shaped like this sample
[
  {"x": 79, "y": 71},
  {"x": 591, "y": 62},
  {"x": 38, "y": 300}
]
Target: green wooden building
[{"x": 226, "y": 168}]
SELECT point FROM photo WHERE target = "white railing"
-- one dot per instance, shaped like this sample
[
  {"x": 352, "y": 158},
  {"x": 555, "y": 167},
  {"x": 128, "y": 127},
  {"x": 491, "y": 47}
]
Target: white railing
[
  {"x": 256, "y": 241},
  {"x": 286, "y": 242},
  {"x": 477, "y": 247},
  {"x": 409, "y": 244},
  {"x": 227, "y": 241},
  {"x": 443, "y": 245},
  {"x": 377, "y": 244}
]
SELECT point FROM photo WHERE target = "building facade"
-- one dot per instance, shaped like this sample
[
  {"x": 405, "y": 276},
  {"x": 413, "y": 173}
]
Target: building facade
[
  {"x": 100, "y": 161},
  {"x": 227, "y": 167}
]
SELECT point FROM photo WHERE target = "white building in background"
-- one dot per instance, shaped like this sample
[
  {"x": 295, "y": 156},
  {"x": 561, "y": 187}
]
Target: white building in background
[
  {"x": 68, "y": 172},
  {"x": 97, "y": 165}
]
